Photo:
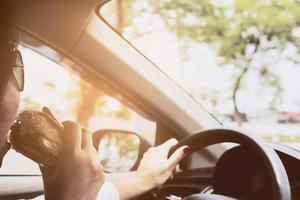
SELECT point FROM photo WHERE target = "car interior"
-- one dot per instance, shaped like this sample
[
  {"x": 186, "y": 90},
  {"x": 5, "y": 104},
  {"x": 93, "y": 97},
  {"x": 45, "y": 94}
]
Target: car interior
[{"x": 74, "y": 35}]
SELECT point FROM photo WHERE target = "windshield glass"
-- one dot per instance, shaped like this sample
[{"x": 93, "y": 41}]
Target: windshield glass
[{"x": 239, "y": 59}]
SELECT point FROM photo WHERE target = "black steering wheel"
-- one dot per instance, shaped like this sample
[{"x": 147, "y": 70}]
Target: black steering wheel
[{"x": 280, "y": 185}]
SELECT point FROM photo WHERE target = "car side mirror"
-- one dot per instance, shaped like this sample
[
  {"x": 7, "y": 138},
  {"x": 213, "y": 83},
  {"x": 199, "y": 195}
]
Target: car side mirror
[{"x": 119, "y": 150}]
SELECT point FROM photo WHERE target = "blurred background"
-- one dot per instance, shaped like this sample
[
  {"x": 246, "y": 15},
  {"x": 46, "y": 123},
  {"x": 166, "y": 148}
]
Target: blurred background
[{"x": 238, "y": 58}]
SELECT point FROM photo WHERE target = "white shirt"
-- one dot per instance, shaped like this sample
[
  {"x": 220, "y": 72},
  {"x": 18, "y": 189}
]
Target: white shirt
[{"x": 108, "y": 191}]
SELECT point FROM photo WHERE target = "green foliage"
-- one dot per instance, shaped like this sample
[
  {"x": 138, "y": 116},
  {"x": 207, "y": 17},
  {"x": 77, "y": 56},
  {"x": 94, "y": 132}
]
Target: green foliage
[
  {"x": 122, "y": 113},
  {"x": 240, "y": 29},
  {"x": 119, "y": 152},
  {"x": 233, "y": 27}
]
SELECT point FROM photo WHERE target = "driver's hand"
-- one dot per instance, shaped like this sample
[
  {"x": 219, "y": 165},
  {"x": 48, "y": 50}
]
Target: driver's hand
[
  {"x": 155, "y": 167},
  {"x": 78, "y": 174}
]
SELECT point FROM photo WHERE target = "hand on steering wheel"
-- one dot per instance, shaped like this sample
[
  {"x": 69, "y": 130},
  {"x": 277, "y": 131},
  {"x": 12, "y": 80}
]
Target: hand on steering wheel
[{"x": 279, "y": 180}]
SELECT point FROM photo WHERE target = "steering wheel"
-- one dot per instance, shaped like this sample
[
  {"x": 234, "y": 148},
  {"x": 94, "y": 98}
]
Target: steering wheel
[{"x": 280, "y": 185}]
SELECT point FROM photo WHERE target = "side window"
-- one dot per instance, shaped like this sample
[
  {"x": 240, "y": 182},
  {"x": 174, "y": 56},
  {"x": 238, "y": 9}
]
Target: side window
[{"x": 70, "y": 98}]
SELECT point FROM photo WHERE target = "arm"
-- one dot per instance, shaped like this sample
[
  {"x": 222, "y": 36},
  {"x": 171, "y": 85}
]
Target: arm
[
  {"x": 155, "y": 169},
  {"x": 130, "y": 185}
]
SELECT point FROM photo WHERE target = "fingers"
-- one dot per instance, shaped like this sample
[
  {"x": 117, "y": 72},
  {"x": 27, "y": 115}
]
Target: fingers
[
  {"x": 87, "y": 141},
  {"x": 177, "y": 169},
  {"x": 72, "y": 136},
  {"x": 177, "y": 156},
  {"x": 166, "y": 146}
]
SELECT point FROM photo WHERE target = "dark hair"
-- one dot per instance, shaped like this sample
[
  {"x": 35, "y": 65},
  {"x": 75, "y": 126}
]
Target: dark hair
[{"x": 8, "y": 40}]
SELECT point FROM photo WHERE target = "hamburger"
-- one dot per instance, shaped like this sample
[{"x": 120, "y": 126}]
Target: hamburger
[{"x": 37, "y": 135}]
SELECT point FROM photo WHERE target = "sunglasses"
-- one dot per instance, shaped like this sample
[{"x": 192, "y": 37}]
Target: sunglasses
[{"x": 18, "y": 70}]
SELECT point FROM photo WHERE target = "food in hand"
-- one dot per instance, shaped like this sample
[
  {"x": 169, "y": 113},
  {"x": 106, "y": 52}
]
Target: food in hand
[{"x": 37, "y": 135}]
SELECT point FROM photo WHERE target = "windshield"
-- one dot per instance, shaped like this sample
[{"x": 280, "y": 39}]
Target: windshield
[{"x": 239, "y": 59}]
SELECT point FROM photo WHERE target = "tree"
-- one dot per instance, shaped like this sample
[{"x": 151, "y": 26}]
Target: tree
[
  {"x": 242, "y": 30},
  {"x": 87, "y": 100}
]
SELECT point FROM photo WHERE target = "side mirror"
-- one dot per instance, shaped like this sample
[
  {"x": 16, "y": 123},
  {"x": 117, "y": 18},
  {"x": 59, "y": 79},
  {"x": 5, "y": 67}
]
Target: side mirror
[{"x": 119, "y": 150}]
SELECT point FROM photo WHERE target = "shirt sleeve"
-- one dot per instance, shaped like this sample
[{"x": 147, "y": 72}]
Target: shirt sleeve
[{"x": 108, "y": 192}]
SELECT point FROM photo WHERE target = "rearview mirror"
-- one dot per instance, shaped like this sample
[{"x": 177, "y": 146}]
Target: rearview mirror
[{"x": 118, "y": 150}]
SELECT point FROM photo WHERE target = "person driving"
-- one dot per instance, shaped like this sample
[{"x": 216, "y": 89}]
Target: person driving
[{"x": 79, "y": 174}]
